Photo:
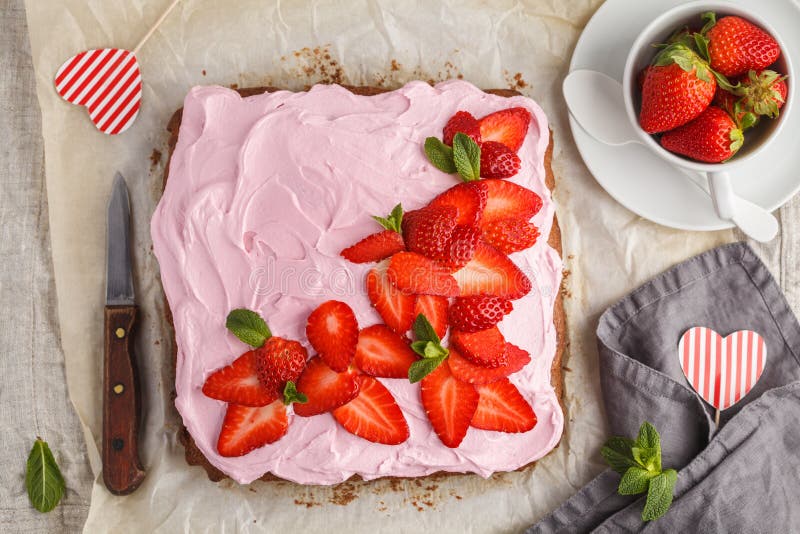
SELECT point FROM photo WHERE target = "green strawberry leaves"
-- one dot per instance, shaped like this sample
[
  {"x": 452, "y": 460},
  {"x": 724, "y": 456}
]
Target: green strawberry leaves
[
  {"x": 248, "y": 326},
  {"x": 43, "y": 478},
  {"x": 464, "y": 157},
  {"x": 639, "y": 463},
  {"x": 290, "y": 394},
  {"x": 394, "y": 221},
  {"x": 429, "y": 346}
]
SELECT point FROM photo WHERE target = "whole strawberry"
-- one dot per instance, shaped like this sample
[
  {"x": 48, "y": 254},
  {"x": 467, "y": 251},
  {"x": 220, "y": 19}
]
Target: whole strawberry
[
  {"x": 279, "y": 361},
  {"x": 676, "y": 89},
  {"x": 498, "y": 161},
  {"x": 712, "y": 137},
  {"x": 736, "y": 45},
  {"x": 463, "y": 122},
  {"x": 763, "y": 92},
  {"x": 732, "y": 105}
]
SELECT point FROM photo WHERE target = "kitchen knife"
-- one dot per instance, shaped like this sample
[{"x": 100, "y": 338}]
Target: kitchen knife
[{"x": 122, "y": 469}]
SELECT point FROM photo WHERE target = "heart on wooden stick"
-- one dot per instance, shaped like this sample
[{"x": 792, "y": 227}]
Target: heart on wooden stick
[
  {"x": 107, "y": 82},
  {"x": 722, "y": 370}
]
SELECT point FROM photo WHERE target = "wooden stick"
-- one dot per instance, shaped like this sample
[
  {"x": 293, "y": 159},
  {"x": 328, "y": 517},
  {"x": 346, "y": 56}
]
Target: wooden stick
[
  {"x": 155, "y": 26},
  {"x": 716, "y": 418}
]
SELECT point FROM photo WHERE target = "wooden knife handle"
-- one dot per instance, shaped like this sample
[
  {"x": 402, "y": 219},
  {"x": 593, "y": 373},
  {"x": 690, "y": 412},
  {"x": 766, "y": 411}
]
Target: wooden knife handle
[{"x": 122, "y": 469}]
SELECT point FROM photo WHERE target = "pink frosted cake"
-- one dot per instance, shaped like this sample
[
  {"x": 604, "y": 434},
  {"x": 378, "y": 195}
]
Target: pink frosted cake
[{"x": 416, "y": 342}]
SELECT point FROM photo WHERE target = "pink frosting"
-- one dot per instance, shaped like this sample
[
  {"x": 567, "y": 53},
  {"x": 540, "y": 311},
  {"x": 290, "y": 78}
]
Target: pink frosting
[{"x": 264, "y": 192}]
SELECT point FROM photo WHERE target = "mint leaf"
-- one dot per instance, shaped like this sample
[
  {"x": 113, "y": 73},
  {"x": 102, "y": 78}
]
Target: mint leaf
[
  {"x": 649, "y": 440},
  {"x": 440, "y": 155},
  {"x": 422, "y": 368},
  {"x": 617, "y": 453},
  {"x": 43, "y": 478},
  {"x": 634, "y": 481},
  {"x": 290, "y": 394},
  {"x": 248, "y": 326},
  {"x": 419, "y": 346},
  {"x": 659, "y": 495},
  {"x": 435, "y": 350},
  {"x": 424, "y": 330},
  {"x": 394, "y": 221},
  {"x": 467, "y": 157}
]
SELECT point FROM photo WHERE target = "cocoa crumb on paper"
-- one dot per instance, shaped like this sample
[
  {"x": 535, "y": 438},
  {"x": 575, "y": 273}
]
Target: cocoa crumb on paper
[
  {"x": 343, "y": 494},
  {"x": 395, "y": 65},
  {"x": 515, "y": 81},
  {"x": 307, "y": 503},
  {"x": 204, "y": 72},
  {"x": 155, "y": 157}
]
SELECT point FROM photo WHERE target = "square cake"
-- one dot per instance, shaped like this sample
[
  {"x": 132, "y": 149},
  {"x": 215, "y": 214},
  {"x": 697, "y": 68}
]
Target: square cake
[{"x": 269, "y": 213}]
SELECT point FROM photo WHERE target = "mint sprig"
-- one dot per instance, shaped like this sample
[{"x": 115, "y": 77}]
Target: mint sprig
[
  {"x": 394, "y": 221},
  {"x": 639, "y": 463},
  {"x": 290, "y": 394},
  {"x": 429, "y": 346},
  {"x": 43, "y": 478},
  {"x": 248, "y": 326},
  {"x": 464, "y": 157}
]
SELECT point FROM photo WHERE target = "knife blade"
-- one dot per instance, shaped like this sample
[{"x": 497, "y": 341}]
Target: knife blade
[{"x": 122, "y": 469}]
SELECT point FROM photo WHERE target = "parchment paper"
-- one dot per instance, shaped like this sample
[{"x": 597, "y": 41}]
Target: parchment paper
[{"x": 525, "y": 45}]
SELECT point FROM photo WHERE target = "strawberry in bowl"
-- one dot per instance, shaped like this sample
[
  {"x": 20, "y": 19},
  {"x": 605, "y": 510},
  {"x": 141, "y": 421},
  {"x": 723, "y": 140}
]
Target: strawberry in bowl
[{"x": 717, "y": 85}]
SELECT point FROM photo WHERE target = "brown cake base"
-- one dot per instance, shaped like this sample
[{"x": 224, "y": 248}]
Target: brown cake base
[{"x": 193, "y": 454}]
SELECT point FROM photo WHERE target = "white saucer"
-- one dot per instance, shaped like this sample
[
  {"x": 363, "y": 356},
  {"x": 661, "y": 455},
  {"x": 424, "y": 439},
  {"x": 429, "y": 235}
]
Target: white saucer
[{"x": 640, "y": 180}]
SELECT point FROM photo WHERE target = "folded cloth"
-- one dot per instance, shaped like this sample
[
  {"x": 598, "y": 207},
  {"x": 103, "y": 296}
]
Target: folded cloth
[{"x": 744, "y": 477}]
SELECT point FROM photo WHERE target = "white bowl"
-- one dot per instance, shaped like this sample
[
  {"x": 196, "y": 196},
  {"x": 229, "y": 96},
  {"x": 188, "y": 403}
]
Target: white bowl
[{"x": 642, "y": 53}]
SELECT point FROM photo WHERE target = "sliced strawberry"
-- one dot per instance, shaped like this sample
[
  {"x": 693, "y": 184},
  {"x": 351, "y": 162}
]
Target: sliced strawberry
[
  {"x": 449, "y": 403},
  {"x": 508, "y": 126},
  {"x": 325, "y": 388},
  {"x": 507, "y": 200},
  {"x": 469, "y": 198},
  {"x": 383, "y": 353},
  {"x": 503, "y": 408},
  {"x": 332, "y": 330},
  {"x": 429, "y": 230},
  {"x": 375, "y": 247},
  {"x": 238, "y": 383},
  {"x": 498, "y": 161},
  {"x": 247, "y": 428},
  {"x": 470, "y": 314},
  {"x": 466, "y": 371},
  {"x": 461, "y": 247},
  {"x": 415, "y": 273},
  {"x": 463, "y": 122},
  {"x": 434, "y": 308},
  {"x": 395, "y": 307},
  {"x": 490, "y": 272},
  {"x": 373, "y": 414},
  {"x": 510, "y": 235},
  {"x": 486, "y": 347}
]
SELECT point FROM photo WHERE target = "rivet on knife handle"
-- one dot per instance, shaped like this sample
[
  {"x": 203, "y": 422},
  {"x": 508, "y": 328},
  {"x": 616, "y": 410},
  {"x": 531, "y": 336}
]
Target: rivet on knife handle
[{"x": 122, "y": 469}]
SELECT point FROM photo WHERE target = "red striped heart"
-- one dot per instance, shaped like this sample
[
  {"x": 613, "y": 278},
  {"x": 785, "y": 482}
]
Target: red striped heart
[
  {"x": 107, "y": 82},
  {"x": 722, "y": 370}
]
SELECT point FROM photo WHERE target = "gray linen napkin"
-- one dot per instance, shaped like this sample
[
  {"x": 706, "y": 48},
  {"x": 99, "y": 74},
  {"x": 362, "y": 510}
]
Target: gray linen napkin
[{"x": 744, "y": 477}]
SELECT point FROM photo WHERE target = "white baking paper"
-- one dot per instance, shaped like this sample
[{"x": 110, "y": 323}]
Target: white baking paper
[{"x": 525, "y": 45}]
